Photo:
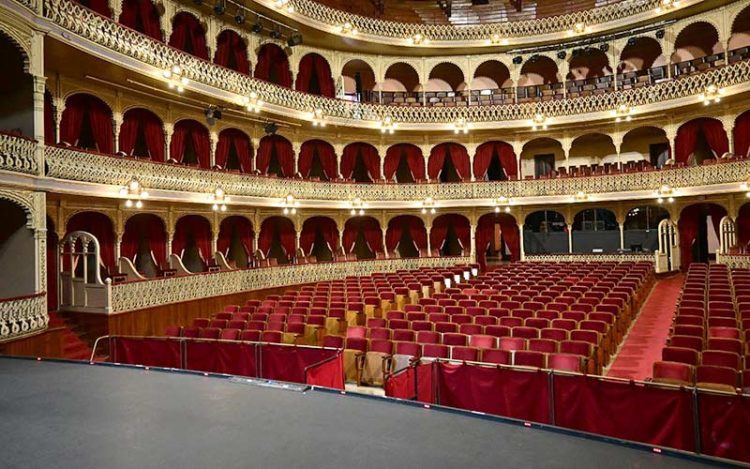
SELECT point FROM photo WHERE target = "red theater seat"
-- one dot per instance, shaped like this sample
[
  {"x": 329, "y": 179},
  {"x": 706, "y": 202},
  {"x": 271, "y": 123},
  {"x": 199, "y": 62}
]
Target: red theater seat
[
  {"x": 566, "y": 362},
  {"x": 529, "y": 358},
  {"x": 673, "y": 373},
  {"x": 496, "y": 356},
  {"x": 250, "y": 335}
]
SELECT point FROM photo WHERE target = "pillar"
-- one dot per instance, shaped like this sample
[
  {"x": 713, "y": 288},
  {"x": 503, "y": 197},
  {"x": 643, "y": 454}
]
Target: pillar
[
  {"x": 428, "y": 229},
  {"x": 213, "y": 140},
  {"x": 570, "y": 239},
  {"x": 116, "y": 124},
  {"x": 214, "y": 244},
  {"x": 520, "y": 240},
  {"x": 118, "y": 247},
  {"x": 39, "y": 121},
  {"x": 473, "y": 244},
  {"x": 170, "y": 237},
  {"x": 341, "y": 243},
  {"x": 622, "y": 236},
  {"x": 168, "y": 131},
  {"x": 58, "y": 111},
  {"x": 385, "y": 246}
]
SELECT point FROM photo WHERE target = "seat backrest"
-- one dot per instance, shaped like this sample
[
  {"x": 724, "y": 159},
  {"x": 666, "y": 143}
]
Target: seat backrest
[
  {"x": 496, "y": 356},
  {"x": 469, "y": 354},
  {"x": 333, "y": 341},
  {"x": 250, "y": 335},
  {"x": 230, "y": 334},
  {"x": 529, "y": 358},
  {"x": 565, "y": 362},
  {"x": 512, "y": 343},
  {"x": 673, "y": 373},
  {"x": 436, "y": 351}
]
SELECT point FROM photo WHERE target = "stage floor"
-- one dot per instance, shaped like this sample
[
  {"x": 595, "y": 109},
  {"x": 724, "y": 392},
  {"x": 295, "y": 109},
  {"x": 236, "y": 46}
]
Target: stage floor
[{"x": 65, "y": 415}]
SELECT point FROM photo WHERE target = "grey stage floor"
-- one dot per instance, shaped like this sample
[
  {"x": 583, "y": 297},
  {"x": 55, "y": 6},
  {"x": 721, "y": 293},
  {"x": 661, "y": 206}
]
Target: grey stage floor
[{"x": 62, "y": 415}]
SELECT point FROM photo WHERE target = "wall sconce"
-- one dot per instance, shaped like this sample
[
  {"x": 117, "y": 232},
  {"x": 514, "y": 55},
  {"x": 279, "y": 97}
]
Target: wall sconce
[
  {"x": 502, "y": 203},
  {"x": 665, "y": 193},
  {"x": 133, "y": 192},
  {"x": 428, "y": 205},
  {"x": 711, "y": 93},
  {"x": 623, "y": 113},
  {"x": 539, "y": 121},
  {"x": 289, "y": 205},
  {"x": 387, "y": 125},
  {"x": 461, "y": 126},
  {"x": 175, "y": 76},
  {"x": 219, "y": 200},
  {"x": 347, "y": 28},
  {"x": 253, "y": 103},
  {"x": 284, "y": 4},
  {"x": 580, "y": 196},
  {"x": 418, "y": 39},
  {"x": 317, "y": 118},
  {"x": 666, "y": 5},
  {"x": 357, "y": 207}
]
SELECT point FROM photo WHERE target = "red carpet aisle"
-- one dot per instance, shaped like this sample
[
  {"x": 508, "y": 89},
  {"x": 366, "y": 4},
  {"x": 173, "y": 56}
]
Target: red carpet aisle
[{"x": 642, "y": 346}]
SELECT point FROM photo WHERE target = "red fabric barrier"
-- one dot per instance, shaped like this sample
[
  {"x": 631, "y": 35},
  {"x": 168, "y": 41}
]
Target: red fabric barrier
[
  {"x": 329, "y": 374},
  {"x": 426, "y": 382},
  {"x": 647, "y": 414},
  {"x": 725, "y": 425},
  {"x": 509, "y": 393},
  {"x": 148, "y": 352},
  {"x": 400, "y": 385},
  {"x": 285, "y": 363},
  {"x": 235, "y": 358}
]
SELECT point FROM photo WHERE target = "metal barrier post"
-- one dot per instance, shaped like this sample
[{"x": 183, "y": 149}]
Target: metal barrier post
[
  {"x": 415, "y": 365},
  {"x": 696, "y": 422},
  {"x": 259, "y": 355},
  {"x": 435, "y": 387},
  {"x": 551, "y": 393}
]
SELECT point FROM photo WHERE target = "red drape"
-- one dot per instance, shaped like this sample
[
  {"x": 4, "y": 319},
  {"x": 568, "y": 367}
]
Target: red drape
[
  {"x": 142, "y": 16},
  {"x": 742, "y": 135},
  {"x": 241, "y": 142},
  {"x": 99, "y": 6},
  {"x": 230, "y": 43},
  {"x": 153, "y": 131},
  {"x": 743, "y": 226},
  {"x": 149, "y": 227},
  {"x": 310, "y": 229},
  {"x": 326, "y": 156},
  {"x": 237, "y": 358},
  {"x": 273, "y": 66},
  {"x": 100, "y": 226},
  {"x": 188, "y": 35},
  {"x": 458, "y": 155},
  {"x": 687, "y": 136},
  {"x": 199, "y": 229},
  {"x": 100, "y": 117},
  {"x": 416, "y": 228},
  {"x": 228, "y": 226},
  {"x": 148, "y": 352},
  {"x": 369, "y": 155},
  {"x": 284, "y": 154},
  {"x": 487, "y": 151},
  {"x": 724, "y": 425},
  {"x": 439, "y": 230},
  {"x": 486, "y": 232},
  {"x": 189, "y": 128},
  {"x": 369, "y": 227},
  {"x": 315, "y": 65},
  {"x": 688, "y": 227},
  {"x": 284, "y": 227},
  {"x": 413, "y": 156}
]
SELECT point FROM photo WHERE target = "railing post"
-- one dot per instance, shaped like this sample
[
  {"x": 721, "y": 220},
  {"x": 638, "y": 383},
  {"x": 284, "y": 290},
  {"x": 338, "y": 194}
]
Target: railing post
[
  {"x": 551, "y": 396},
  {"x": 696, "y": 422}
]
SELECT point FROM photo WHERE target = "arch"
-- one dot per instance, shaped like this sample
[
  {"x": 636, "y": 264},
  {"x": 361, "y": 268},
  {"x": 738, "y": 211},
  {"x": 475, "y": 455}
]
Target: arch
[
  {"x": 592, "y": 148},
  {"x": 586, "y": 63},
  {"x": 741, "y": 135},
  {"x": 538, "y": 70},
  {"x": 449, "y": 162},
  {"x": 277, "y": 239},
  {"x": 272, "y": 65},
  {"x": 697, "y": 239},
  {"x": 363, "y": 237},
  {"x": 102, "y": 228},
  {"x": 18, "y": 250},
  {"x": 545, "y": 232},
  {"x": 647, "y": 143},
  {"x": 404, "y": 162},
  {"x": 190, "y": 144},
  {"x": 189, "y": 35},
  {"x": 740, "y": 33},
  {"x": 275, "y": 156},
  {"x": 142, "y": 134},
  {"x": 700, "y": 139},
  {"x": 399, "y": 77},
  {"x": 319, "y": 238},
  {"x": 540, "y": 157},
  {"x": 317, "y": 160},
  {"x": 142, "y": 16},
  {"x": 406, "y": 234},
  {"x": 491, "y": 75},
  {"x": 99, "y": 6},
  {"x": 360, "y": 161},
  {"x": 445, "y": 76},
  {"x": 314, "y": 76},
  {"x": 235, "y": 240},
  {"x": 641, "y": 53},
  {"x": 641, "y": 227},
  {"x": 192, "y": 242},
  {"x": 16, "y": 90},
  {"x": 144, "y": 242},
  {"x": 497, "y": 234},
  {"x": 234, "y": 151},
  {"x": 87, "y": 123},
  {"x": 450, "y": 235},
  {"x": 695, "y": 41},
  {"x": 595, "y": 230},
  {"x": 231, "y": 52},
  {"x": 359, "y": 80},
  {"x": 495, "y": 161},
  {"x": 19, "y": 43}
]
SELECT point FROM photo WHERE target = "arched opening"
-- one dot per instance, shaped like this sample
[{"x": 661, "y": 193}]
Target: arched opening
[
  {"x": 743, "y": 229},
  {"x": 699, "y": 232},
  {"x": 540, "y": 157},
  {"x": 492, "y": 84},
  {"x": 192, "y": 242},
  {"x": 363, "y": 237},
  {"x": 646, "y": 144},
  {"x": 234, "y": 151},
  {"x": 359, "y": 81},
  {"x": 641, "y": 228},
  {"x": 53, "y": 258},
  {"x": 17, "y": 252},
  {"x": 400, "y": 86},
  {"x": 446, "y": 85},
  {"x": 142, "y": 134},
  {"x": 590, "y": 72},
  {"x": 741, "y": 135},
  {"x": 99, "y": 6},
  {"x": 595, "y": 230},
  {"x": 277, "y": 239},
  {"x": 188, "y": 35},
  {"x": 143, "y": 16},
  {"x": 404, "y": 162},
  {"x": 87, "y": 123},
  {"x": 319, "y": 238},
  {"x": 275, "y": 156},
  {"x": 236, "y": 241},
  {"x": 231, "y": 52},
  {"x": 448, "y": 162},
  {"x": 545, "y": 232},
  {"x": 642, "y": 63},
  {"x": 273, "y": 65},
  {"x": 190, "y": 144},
  {"x": 450, "y": 235},
  {"x": 406, "y": 236},
  {"x": 100, "y": 226},
  {"x": 589, "y": 152},
  {"x": 699, "y": 140},
  {"x": 739, "y": 41},
  {"x": 360, "y": 162},
  {"x": 317, "y": 161},
  {"x": 696, "y": 48},
  {"x": 495, "y": 161},
  {"x": 16, "y": 91},
  {"x": 314, "y": 76},
  {"x": 497, "y": 239},
  {"x": 144, "y": 242},
  {"x": 539, "y": 79}
]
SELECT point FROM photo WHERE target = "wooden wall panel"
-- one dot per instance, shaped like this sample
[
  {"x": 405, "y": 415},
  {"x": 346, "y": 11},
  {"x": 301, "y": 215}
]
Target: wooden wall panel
[{"x": 47, "y": 344}]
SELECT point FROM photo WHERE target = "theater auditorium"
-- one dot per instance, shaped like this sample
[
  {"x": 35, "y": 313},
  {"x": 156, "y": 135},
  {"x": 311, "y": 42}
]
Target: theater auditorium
[{"x": 374, "y": 233}]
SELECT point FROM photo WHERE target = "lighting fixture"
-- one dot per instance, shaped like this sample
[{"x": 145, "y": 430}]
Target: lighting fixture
[
  {"x": 357, "y": 207},
  {"x": 252, "y": 103},
  {"x": 461, "y": 126},
  {"x": 219, "y": 200},
  {"x": 239, "y": 17},
  {"x": 502, "y": 203},
  {"x": 580, "y": 196},
  {"x": 175, "y": 76},
  {"x": 275, "y": 34},
  {"x": 711, "y": 93},
  {"x": 294, "y": 40},
  {"x": 666, "y": 5},
  {"x": 317, "y": 118},
  {"x": 623, "y": 113},
  {"x": 289, "y": 205},
  {"x": 219, "y": 7},
  {"x": 284, "y": 4},
  {"x": 387, "y": 125},
  {"x": 497, "y": 39},
  {"x": 665, "y": 193},
  {"x": 579, "y": 28},
  {"x": 539, "y": 121},
  {"x": 347, "y": 28},
  {"x": 428, "y": 205},
  {"x": 418, "y": 39},
  {"x": 134, "y": 192},
  {"x": 257, "y": 27}
]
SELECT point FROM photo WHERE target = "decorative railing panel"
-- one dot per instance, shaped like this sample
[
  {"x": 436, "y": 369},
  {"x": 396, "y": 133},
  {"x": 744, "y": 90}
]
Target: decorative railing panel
[
  {"x": 18, "y": 154},
  {"x": 734, "y": 261},
  {"x": 612, "y": 257},
  {"x": 22, "y": 316}
]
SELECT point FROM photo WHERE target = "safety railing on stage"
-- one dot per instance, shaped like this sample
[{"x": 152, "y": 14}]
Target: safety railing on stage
[{"x": 692, "y": 419}]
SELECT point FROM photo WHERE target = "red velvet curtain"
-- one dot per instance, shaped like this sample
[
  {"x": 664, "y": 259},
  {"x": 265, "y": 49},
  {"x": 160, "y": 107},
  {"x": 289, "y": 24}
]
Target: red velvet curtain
[
  {"x": 369, "y": 227},
  {"x": 149, "y": 227},
  {"x": 100, "y": 226},
  {"x": 439, "y": 231},
  {"x": 189, "y": 128},
  {"x": 743, "y": 226},
  {"x": 742, "y": 135},
  {"x": 284, "y": 227},
  {"x": 459, "y": 158},
  {"x": 143, "y": 12},
  {"x": 100, "y": 117},
  {"x": 690, "y": 217},
  {"x": 326, "y": 156},
  {"x": 153, "y": 132},
  {"x": 687, "y": 136},
  {"x": 310, "y": 229},
  {"x": 273, "y": 66},
  {"x": 200, "y": 230},
  {"x": 241, "y": 142},
  {"x": 369, "y": 155},
  {"x": 229, "y": 43},
  {"x": 413, "y": 156},
  {"x": 486, "y": 232},
  {"x": 99, "y": 6},
  {"x": 416, "y": 229},
  {"x": 202, "y": 146},
  {"x": 315, "y": 65},
  {"x": 188, "y": 35},
  {"x": 284, "y": 154},
  {"x": 484, "y": 155},
  {"x": 228, "y": 226}
]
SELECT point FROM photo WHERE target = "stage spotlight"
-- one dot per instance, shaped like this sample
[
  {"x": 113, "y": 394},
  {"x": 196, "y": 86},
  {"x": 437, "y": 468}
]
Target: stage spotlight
[
  {"x": 562, "y": 54},
  {"x": 212, "y": 115},
  {"x": 660, "y": 34},
  {"x": 257, "y": 26},
  {"x": 604, "y": 47},
  {"x": 270, "y": 128},
  {"x": 219, "y": 7},
  {"x": 275, "y": 34},
  {"x": 518, "y": 60},
  {"x": 631, "y": 42},
  {"x": 239, "y": 18},
  {"x": 294, "y": 40}
]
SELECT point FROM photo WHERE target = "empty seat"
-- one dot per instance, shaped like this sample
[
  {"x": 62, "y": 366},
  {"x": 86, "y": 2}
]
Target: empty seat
[
  {"x": 469, "y": 354},
  {"x": 566, "y": 362},
  {"x": 716, "y": 377},
  {"x": 496, "y": 356},
  {"x": 673, "y": 373},
  {"x": 529, "y": 358},
  {"x": 230, "y": 334},
  {"x": 209, "y": 332}
]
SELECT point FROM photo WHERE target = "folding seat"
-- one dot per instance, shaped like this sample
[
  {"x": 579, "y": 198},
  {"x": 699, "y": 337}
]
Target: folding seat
[
  {"x": 252, "y": 303},
  {"x": 510, "y": 305},
  {"x": 547, "y": 314},
  {"x": 724, "y": 333},
  {"x": 566, "y": 362},
  {"x": 696, "y": 331},
  {"x": 727, "y": 345},
  {"x": 567, "y": 324},
  {"x": 379, "y": 333},
  {"x": 485, "y": 320},
  {"x": 403, "y": 335},
  {"x": 533, "y": 305},
  {"x": 274, "y": 337},
  {"x": 690, "y": 311},
  {"x": 433, "y": 309},
  {"x": 376, "y": 363},
  {"x": 231, "y": 309},
  {"x": 333, "y": 341},
  {"x": 498, "y": 312},
  {"x": 436, "y": 351},
  {"x": 680, "y": 355},
  {"x": 529, "y": 358},
  {"x": 395, "y": 314},
  {"x": 354, "y": 350},
  {"x": 511, "y": 322},
  {"x": 525, "y": 332},
  {"x": 481, "y": 341},
  {"x": 201, "y": 322},
  {"x": 416, "y": 316},
  {"x": 543, "y": 345},
  {"x": 376, "y": 322},
  {"x": 428, "y": 337},
  {"x": 721, "y": 322},
  {"x": 230, "y": 334},
  {"x": 675, "y": 373},
  {"x": 446, "y": 327},
  {"x": 226, "y": 315},
  {"x": 241, "y": 316},
  {"x": 356, "y": 331},
  {"x": 398, "y": 324},
  {"x": 259, "y": 317},
  {"x": 410, "y": 349},
  {"x": 553, "y": 333},
  {"x": 250, "y": 336},
  {"x": 496, "y": 356},
  {"x": 511, "y": 343},
  {"x": 209, "y": 333},
  {"x": 716, "y": 377},
  {"x": 476, "y": 311},
  {"x": 497, "y": 330},
  {"x": 173, "y": 331},
  {"x": 681, "y": 320},
  {"x": 451, "y": 338},
  {"x": 466, "y": 354},
  {"x": 721, "y": 358},
  {"x": 487, "y": 304}
]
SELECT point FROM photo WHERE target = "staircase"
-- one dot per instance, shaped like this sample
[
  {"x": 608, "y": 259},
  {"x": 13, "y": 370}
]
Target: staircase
[{"x": 75, "y": 346}]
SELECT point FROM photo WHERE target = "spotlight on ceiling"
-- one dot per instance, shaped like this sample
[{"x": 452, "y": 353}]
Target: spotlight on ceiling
[
  {"x": 239, "y": 18},
  {"x": 660, "y": 34},
  {"x": 562, "y": 54},
  {"x": 631, "y": 42},
  {"x": 212, "y": 115},
  {"x": 604, "y": 47},
  {"x": 294, "y": 40},
  {"x": 219, "y": 7},
  {"x": 534, "y": 58},
  {"x": 275, "y": 34},
  {"x": 270, "y": 128},
  {"x": 518, "y": 60},
  {"x": 257, "y": 26}
]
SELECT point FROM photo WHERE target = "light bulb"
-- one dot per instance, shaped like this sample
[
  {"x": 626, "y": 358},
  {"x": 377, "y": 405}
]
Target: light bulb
[
  {"x": 223, "y": 208},
  {"x": 353, "y": 212},
  {"x": 128, "y": 203},
  {"x": 497, "y": 209},
  {"x": 139, "y": 204},
  {"x": 361, "y": 211},
  {"x": 144, "y": 195}
]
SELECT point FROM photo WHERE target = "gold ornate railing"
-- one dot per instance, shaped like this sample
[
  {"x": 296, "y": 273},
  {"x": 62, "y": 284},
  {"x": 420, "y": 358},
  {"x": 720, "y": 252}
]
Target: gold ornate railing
[
  {"x": 734, "y": 261},
  {"x": 143, "y": 294},
  {"x": 76, "y": 165},
  {"x": 18, "y": 154},
  {"x": 636, "y": 257},
  {"x": 23, "y": 315}
]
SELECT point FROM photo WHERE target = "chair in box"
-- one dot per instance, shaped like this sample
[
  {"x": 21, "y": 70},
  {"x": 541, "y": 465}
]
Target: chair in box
[
  {"x": 376, "y": 362},
  {"x": 716, "y": 377},
  {"x": 680, "y": 374},
  {"x": 275, "y": 337},
  {"x": 584, "y": 349},
  {"x": 566, "y": 362},
  {"x": 529, "y": 358},
  {"x": 250, "y": 335},
  {"x": 467, "y": 354}
]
